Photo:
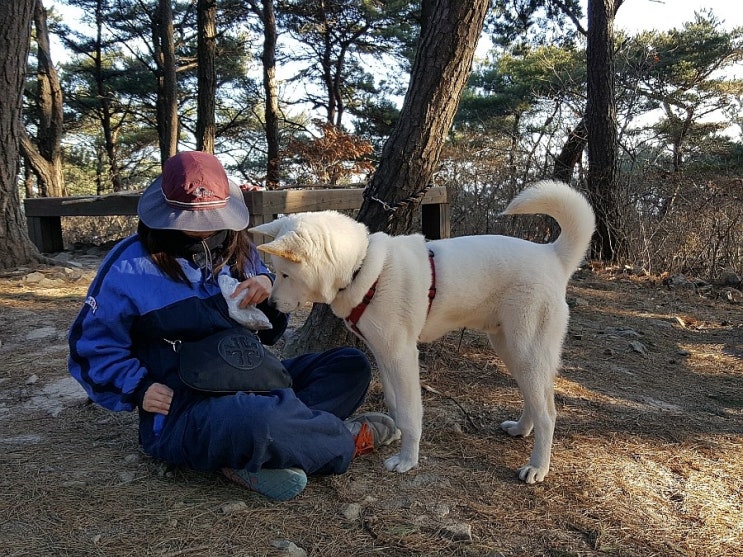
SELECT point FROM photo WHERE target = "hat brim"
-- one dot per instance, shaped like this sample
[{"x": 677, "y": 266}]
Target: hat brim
[{"x": 155, "y": 212}]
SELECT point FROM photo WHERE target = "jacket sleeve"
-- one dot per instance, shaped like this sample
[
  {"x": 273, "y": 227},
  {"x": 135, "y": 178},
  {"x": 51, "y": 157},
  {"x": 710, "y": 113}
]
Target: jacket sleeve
[
  {"x": 279, "y": 321},
  {"x": 101, "y": 355}
]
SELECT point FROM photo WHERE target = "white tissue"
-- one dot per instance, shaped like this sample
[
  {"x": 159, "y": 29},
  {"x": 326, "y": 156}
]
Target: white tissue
[{"x": 250, "y": 317}]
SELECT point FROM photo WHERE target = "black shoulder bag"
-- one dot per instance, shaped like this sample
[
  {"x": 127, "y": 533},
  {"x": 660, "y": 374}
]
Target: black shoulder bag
[{"x": 229, "y": 361}]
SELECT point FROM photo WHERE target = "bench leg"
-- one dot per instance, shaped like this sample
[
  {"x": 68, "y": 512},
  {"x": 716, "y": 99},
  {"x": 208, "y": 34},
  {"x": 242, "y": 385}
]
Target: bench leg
[
  {"x": 46, "y": 233},
  {"x": 435, "y": 221}
]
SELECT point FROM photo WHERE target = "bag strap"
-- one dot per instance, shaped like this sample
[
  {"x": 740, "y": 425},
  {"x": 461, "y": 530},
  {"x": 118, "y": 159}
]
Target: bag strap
[{"x": 176, "y": 344}]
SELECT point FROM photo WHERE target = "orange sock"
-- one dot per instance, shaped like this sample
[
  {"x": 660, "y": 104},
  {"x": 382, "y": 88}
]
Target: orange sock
[{"x": 364, "y": 441}]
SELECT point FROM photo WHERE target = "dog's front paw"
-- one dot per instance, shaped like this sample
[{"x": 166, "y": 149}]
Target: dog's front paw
[
  {"x": 396, "y": 463},
  {"x": 531, "y": 474}
]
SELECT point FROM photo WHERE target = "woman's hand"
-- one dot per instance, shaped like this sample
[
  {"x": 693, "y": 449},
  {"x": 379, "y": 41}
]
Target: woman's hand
[
  {"x": 254, "y": 290},
  {"x": 157, "y": 399}
]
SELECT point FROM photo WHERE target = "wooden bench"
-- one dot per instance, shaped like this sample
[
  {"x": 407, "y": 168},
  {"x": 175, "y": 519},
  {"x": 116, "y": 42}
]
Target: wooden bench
[{"x": 44, "y": 214}]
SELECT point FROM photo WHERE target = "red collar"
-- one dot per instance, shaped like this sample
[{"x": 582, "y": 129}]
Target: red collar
[{"x": 353, "y": 318}]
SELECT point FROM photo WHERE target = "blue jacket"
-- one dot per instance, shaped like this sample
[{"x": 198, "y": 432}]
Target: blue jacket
[{"x": 119, "y": 340}]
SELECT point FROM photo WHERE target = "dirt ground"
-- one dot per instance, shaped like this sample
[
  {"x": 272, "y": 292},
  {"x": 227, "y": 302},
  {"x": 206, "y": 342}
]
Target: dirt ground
[{"x": 647, "y": 458}]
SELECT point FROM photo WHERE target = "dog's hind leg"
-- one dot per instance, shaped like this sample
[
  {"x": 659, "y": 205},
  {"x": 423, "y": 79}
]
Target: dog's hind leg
[
  {"x": 533, "y": 366},
  {"x": 539, "y": 405},
  {"x": 401, "y": 383}
]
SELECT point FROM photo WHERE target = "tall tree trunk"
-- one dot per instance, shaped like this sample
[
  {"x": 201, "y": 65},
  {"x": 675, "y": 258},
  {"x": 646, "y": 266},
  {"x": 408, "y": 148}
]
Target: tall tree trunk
[
  {"x": 100, "y": 169},
  {"x": 15, "y": 33},
  {"x": 571, "y": 152},
  {"x": 111, "y": 148},
  {"x": 449, "y": 33},
  {"x": 104, "y": 98},
  {"x": 206, "y": 15},
  {"x": 327, "y": 74},
  {"x": 28, "y": 176},
  {"x": 601, "y": 123},
  {"x": 45, "y": 157},
  {"x": 273, "y": 168},
  {"x": 167, "y": 84},
  {"x": 338, "y": 83}
]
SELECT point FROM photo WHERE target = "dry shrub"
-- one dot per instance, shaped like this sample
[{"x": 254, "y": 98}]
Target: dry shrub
[
  {"x": 670, "y": 226},
  {"x": 334, "y": 158},
  {"x": 688, "y": 227},
  {"x": 96, "y": 231}
]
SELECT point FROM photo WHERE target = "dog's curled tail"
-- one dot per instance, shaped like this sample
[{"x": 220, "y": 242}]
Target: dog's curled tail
[{"x": 569, "y": 208}]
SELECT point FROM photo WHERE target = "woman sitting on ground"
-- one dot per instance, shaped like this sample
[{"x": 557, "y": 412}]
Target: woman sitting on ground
[{"x": 160, "y": 287}]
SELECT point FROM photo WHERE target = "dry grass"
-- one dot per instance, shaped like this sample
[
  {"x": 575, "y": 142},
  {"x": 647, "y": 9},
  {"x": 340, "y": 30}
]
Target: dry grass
[{"x": 647, "y": 454}]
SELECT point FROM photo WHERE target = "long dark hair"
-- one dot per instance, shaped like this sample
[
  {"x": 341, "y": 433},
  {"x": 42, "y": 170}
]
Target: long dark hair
[{"x": 238, "y": 251}]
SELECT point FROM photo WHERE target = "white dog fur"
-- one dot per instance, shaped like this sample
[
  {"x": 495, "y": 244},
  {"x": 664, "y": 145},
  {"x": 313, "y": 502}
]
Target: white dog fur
[{"x": 512, "y": 289}]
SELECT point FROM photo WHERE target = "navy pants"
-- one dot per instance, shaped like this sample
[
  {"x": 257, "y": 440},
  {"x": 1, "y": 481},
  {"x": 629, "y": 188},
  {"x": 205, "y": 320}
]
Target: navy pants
[{"x": 298, "y": 427}]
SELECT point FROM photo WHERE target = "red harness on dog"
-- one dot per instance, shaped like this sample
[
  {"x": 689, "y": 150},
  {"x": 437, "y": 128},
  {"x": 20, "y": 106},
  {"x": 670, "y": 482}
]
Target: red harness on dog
[{"x": 353, "y": 318}]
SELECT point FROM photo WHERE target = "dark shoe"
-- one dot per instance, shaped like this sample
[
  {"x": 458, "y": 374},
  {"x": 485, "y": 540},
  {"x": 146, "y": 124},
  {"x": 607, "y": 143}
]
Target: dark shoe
[
  {"x": 280, "y": 484},
  {"x": 372, "y": 430}
]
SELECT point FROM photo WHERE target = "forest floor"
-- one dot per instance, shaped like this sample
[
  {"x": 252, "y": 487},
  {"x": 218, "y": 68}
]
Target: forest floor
[{"x": 647, "y": 458}]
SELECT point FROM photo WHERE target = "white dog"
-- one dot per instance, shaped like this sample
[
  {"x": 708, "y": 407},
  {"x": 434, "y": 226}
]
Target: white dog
[{"x": 396, "y": 291}]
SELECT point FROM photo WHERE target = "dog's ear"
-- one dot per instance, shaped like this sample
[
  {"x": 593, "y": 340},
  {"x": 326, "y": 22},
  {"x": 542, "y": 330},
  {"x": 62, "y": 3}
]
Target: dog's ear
[
  {"x": 272, "y": 229},
  {"x": 282, "y": 247}
]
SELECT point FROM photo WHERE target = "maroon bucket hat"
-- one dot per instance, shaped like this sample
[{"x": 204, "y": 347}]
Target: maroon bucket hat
[{"x": 193, "y": 194}]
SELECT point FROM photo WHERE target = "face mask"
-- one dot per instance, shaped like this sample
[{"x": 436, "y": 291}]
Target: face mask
[{"x": 202, "y": 252}]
